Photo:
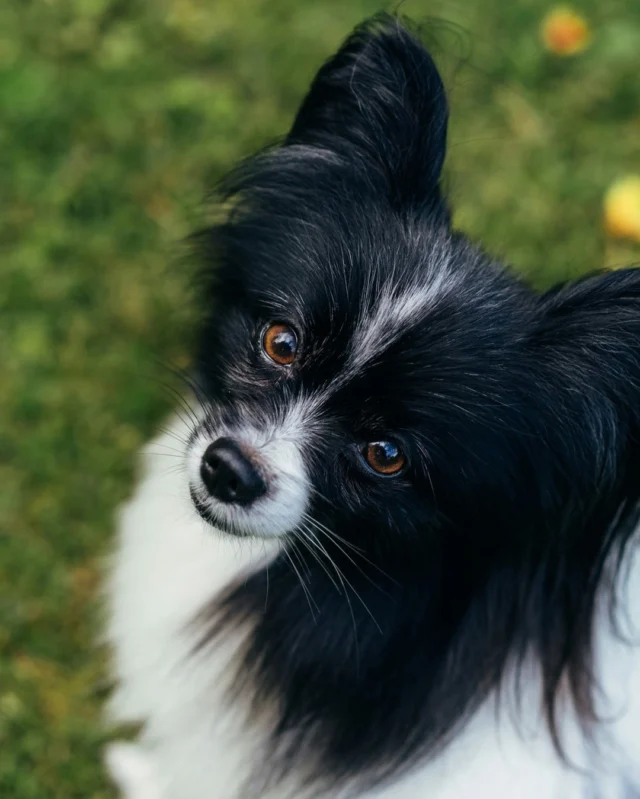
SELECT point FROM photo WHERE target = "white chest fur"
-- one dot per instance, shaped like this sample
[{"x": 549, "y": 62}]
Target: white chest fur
[{"x": 195, "y": 745}]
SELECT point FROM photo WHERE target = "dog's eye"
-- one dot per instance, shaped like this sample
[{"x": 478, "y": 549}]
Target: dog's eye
[
  {"x": 280, "y": 343},
  {"x": 384, "y": 457}
]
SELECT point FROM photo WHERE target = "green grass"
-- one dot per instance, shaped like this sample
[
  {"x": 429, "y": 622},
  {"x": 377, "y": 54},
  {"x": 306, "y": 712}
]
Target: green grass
[{"x": 116, "y": 117}]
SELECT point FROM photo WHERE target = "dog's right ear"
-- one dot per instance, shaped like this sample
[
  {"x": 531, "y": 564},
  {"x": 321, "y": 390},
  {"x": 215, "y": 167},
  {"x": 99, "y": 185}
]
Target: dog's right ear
[{"x": 380, "y": 104}]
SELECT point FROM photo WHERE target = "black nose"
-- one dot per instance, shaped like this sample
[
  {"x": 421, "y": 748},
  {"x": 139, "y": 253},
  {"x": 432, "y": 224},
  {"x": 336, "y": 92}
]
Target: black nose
[{"x": 229, "y": 474}]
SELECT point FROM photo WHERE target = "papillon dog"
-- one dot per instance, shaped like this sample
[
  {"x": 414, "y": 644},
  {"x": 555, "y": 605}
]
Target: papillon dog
[{"x": 400, "y": 558}]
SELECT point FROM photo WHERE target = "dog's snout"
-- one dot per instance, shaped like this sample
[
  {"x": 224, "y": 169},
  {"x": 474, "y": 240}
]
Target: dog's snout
[{"x": 229, "y": 475}]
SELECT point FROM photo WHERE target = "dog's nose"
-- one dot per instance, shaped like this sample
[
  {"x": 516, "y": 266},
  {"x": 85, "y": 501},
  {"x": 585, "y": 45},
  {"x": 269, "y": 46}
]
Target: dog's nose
[{"x": 229, "y": 475}]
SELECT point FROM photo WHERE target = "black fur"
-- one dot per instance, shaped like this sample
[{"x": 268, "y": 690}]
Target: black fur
[{"x": 519, "y": 412}]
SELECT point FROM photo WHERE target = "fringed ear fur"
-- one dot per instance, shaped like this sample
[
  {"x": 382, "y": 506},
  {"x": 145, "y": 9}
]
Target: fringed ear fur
[
  {"x": 381, "y": 104},
  {"x": 587, "y": 346},
  {"x": 589, "y": 338}
]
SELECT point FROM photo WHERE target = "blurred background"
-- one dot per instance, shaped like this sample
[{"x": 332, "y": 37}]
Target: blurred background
[{"x": 116, "y": 119}]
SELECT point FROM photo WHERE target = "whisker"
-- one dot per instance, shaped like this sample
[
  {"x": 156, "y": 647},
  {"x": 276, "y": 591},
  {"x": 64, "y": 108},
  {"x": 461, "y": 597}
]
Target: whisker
[
  {"x": 347, "y": 581},
  {"x": 168, "y": 431},
  {"x": 357, "y": 550},
  {"x": 189, "y": 381},
  {"x": 304, "y": 566},
  {"x": 320, "y": 526},
  {"x": 312, "y": 539},
  {"x": 177, "y": 396},
  {"x": 169, "y": 452},
  {"x": 176, "y": 468},
  {"x": 337, "y": 540},
  {"x": 304, "y": 586},
  {"x": 297, "y": 479},
  {"x": 306, "y": 541}
]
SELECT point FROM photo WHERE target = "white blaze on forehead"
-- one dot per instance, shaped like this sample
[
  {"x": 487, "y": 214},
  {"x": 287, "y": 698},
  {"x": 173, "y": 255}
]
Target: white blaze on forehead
[{"x": 396, "y": 311}]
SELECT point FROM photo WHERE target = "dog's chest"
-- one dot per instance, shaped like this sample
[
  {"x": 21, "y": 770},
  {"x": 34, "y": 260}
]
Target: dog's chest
[{"x": 168, "y": 568}]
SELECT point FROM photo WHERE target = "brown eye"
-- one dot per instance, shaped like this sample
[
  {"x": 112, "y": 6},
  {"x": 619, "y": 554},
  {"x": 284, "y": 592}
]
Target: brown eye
[
  {"x": 280, "y": 343},
  {"x": 384, "y": 457}
]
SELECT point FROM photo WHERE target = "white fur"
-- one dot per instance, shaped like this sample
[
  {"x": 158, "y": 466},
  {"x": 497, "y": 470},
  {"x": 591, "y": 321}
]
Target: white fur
[
  {"x": 276, "y": 447},
  {"x": 169, "y": 564},
  {"x": 390, "y": 311},
  {"x": 394, "y": 313},
  {"x": 133, "y": 771}
]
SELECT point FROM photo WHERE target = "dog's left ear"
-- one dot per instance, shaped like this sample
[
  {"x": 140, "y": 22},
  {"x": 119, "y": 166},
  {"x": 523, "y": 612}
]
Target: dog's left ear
[
  {"x": 380, "y": 104},
  {"x": 588, "y": 343}
]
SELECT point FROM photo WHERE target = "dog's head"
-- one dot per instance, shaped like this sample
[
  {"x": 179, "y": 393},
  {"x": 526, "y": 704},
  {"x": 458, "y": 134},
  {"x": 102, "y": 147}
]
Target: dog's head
[{"x": 368, "y": 370}]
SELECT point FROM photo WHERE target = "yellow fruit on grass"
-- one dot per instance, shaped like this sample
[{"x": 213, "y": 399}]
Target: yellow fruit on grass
[
  {"x": 565, "y": 32},
  {"x": 622, "y": 208}
]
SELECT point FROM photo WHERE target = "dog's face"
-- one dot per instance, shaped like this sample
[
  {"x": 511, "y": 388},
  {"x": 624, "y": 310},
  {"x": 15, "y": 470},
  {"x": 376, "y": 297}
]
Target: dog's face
[
  {"x": 369, "y": 374},
  {"x": 354, "y": 379}
]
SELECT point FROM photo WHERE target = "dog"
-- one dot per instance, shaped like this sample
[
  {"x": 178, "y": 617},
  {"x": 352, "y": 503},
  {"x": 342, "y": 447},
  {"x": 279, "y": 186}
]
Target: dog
[{"x": 399, "y": 557}]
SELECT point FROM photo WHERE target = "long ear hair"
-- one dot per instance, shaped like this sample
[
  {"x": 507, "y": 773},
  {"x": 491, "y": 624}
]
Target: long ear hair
[
  {"x": 373, "y": 125},
  {"x": 380, "y": 103},
  {"x": 588, "y": 345}
]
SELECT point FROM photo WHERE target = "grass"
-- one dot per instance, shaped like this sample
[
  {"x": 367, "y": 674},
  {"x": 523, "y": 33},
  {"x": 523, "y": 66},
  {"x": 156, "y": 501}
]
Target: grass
[{"x": 117, "y": 117}]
